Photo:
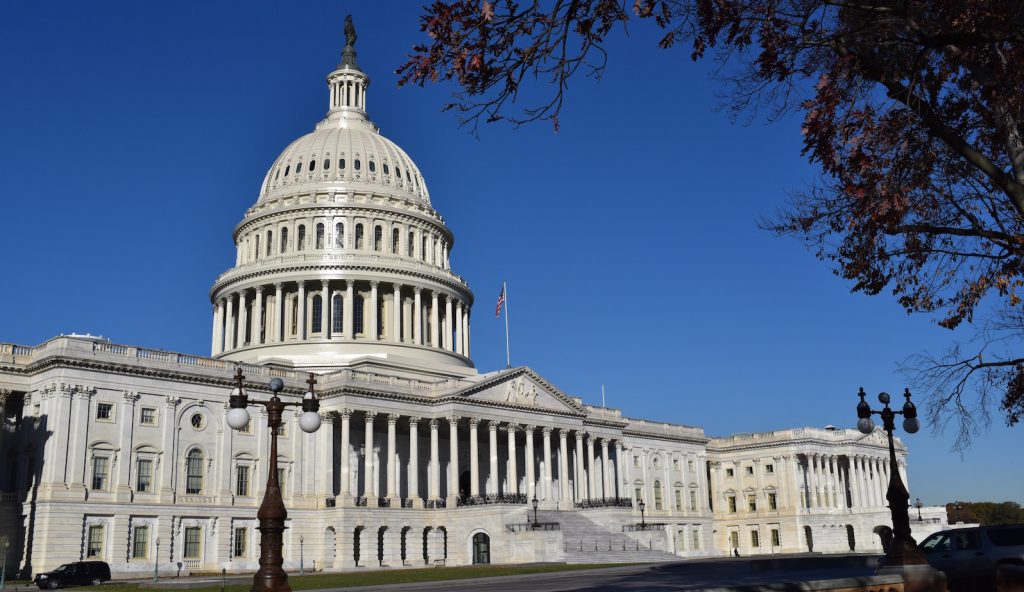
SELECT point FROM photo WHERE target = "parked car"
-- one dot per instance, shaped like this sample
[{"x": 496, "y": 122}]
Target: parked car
[
  {"x": 976, "y": 553},
  {"x": 80, "y": 573}
]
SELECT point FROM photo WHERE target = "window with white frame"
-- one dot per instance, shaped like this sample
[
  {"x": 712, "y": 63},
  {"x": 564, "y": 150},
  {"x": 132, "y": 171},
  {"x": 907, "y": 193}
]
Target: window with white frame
[
  {"x": 94, "y": 543},
  {"x": 689, "y": 466},
  {"x": 140, "y": 542},
  {"x": 100, "y": 473},
  {"x": 281, "y": 473},
  {"x": 194, "y": 472},
  {"x": 752, "y": 502},
  {"x": 773, "y": 502},
  {"x": 657, "y": 495},
  {"x": 729, "y": 472},
  {"x": 247, "y": 428},
  {"x": 749, "y": 470},
  {"x": 776, "y": 539},
  {"x": 636, "y": 461},
  {"x": 318, "y": 308},
  {"x": 193, "y": 542},
  {"x": 638, "y": 494},
  {"x": 143, "y": 475},
  {"x": 105, "y": 411},
  {"x": 676, "y": 464},
  {"x": 732, "y": 503},
  {"x": 679, "y": 500},
  {"x": 147, "y": 416},
  {"x": 339, "y": 236},
  {"x": 693, "y": 501},
  {"x": 695, "y": 543},
  {"x": 239, "y": 542},
  {"x": 755, "y": 539},
  {"x": 769, "y": 469},
  {"x": 320, "y": 236},
  {"x": 242, "y": 480}
]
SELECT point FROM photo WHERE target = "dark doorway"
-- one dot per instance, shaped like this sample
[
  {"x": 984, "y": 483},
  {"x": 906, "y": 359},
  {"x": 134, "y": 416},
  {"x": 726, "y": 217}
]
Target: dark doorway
[
  {"x": 850, "y": 537},
  {"x": 810, "y": 539},
  {"x": 481, "y": 549},
  {"x": 885, "y": 534},
  {"x": 464, "y": 485}
]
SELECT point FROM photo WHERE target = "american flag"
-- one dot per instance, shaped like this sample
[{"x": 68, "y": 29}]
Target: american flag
[{"x": 501, "y": 300}]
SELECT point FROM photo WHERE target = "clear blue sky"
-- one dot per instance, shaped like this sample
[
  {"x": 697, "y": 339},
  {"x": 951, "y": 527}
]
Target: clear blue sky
[{"x": 135, "y": 135}]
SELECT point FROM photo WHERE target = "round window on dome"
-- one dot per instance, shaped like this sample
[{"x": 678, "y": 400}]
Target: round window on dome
[
  {"x": 356, "y": 164},
  {"x": 373, "y": 167},
  {"x": 197, "y": 421}
]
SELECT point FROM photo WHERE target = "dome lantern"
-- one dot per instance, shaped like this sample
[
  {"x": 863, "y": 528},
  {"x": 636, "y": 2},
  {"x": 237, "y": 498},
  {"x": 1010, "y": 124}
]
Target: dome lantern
[{"x": 347, "y": 83}]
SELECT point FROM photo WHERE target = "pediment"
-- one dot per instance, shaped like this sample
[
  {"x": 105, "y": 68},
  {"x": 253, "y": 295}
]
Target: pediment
[{"x": 522, "y": 388}]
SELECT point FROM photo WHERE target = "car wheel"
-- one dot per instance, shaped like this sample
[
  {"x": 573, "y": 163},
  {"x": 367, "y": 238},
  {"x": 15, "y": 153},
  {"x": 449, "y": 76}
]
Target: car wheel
[
  {"x": 53, "y": 584},
  {"x": 96, "y": 581}
]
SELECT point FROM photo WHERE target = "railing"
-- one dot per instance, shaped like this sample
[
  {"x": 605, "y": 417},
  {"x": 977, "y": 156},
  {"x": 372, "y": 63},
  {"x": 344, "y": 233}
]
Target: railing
[
  {"x": 483, "y": 500},
  {"x": 605, "y": 502},
  {"x": 197, "y": 499},
  {"x": 330, "y": 502},
  {"x": 531, "y": 526},
  {"x": 435, "y": 504},
  {"x": 383, "y": 502},
  {"x": 361, "y": 501},
  {"x": 192, "y": 563},
  {"x": 642, "y": 526},
  {"x": 8, "y": 498},
  {"x": 604, "y": 545}
]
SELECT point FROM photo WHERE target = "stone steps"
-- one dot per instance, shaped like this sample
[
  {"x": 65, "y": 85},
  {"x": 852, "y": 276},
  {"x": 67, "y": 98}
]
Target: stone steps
[{"x": 585, "y": 541}]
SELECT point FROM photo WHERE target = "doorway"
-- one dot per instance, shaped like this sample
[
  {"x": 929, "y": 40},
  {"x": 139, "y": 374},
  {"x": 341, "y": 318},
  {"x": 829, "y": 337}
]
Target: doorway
[{"x": 481, "y": 549}]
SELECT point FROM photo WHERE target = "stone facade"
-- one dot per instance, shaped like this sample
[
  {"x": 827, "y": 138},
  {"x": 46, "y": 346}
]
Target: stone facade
[{"x": 122, "y": 453}]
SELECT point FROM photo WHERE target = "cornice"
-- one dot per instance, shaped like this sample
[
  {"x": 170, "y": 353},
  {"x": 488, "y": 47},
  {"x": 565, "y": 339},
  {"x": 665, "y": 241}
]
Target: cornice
[{"x": 669, "y": 437}]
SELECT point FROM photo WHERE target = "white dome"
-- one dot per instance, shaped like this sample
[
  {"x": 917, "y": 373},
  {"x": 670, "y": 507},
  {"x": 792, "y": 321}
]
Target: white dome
[{"x": 344, "y": 153}]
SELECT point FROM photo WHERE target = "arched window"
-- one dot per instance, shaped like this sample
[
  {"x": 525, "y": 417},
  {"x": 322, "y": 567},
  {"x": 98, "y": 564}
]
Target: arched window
[
  {"x": 194, "y": 472},
  {"x": 359, "y": 235},
  {"x": 423, "y": 249},
  {"x": 302, "y": 238},
  {"x": 277, "y": 174},
  {"x": 284, "y": 240},
  {"x": 356, "y": 164},
  {"x": 378, "y": 238},
  {"x": 320, "y": 235},
  {"x": 398, "y": 173},
  {"x": 358, "y": 311},
  {"x": 295, "y": 314},
  {"x": 312, "y": 166},
  {"x": 410, "y": 245},
  {"x": 257, "y": 247},
  {"x": 317, "y": 313},
  {"x": 337, "y": 314},
  {"x": 286, "y": 169},
  {"x": 386, "y": 172},
  {"x": 298, "y": 168},
  {"x": 394, "y": 240},
  {"x": 658, "y": 497},
  {"x": 339, "y": 236},
  {"x": 341, "y": 163},
  {"x": 270, "y": 241},
  {"x": 373, "y": 167}
]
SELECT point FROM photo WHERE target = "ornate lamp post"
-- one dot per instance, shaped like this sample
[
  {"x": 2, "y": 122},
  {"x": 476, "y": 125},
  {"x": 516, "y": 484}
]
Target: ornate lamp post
[
  {"x": 642, "y": 506},
  {"x": 918, "y": 504},
  {"x": 903, "y": 550},
  {"x": 272, "y": 514},
  {"x": 535, "y": 504},
  {"x": 156, "y": 562},
  {"x": 302, "y": 556}
]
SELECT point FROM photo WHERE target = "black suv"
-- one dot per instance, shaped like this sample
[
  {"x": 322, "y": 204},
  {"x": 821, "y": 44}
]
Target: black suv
[{"x": 89, "y": 573}]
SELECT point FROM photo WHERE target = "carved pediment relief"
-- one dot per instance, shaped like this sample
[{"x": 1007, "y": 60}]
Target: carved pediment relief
[{"x": 523, "y": 389}]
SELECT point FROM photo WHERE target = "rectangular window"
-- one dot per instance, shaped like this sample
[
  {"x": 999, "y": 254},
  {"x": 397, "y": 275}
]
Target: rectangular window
[
  {"x": 752, "y": 503},
  {"x": 100, "y": 473},
  {"x": 732, "y": 503},
  {"x": 773, "y": 503},
  {"x": 693, "y": 501},
  {"x": 144, "y": 475},
  {"x": 636, "y": 462},
  {"x": 769, "y": 469},
  {"x": 734, "y": 540},
  {"x": 105, "y": 411},
  {"x": 193, "y": 534},
  {"x": 94, "y": 547},
  {"x": 282, "y": 430},
  {"x": 749, "y": 470},
  {"x": 729, "y": 473},
  {"x": 689, "y": 465},
  {"x": 247, "y": 428},
  {"x": 147, "y": 416},
  {"x": 238, "y": 542},
  {"x": 638, "y": 495},
  {"x": 281, "y": 472},
  {"x": 755, "y": 539},
  {"x": 140, "y": 542},
  {"x": 776, "y": 540},
  {"x": 679, "y": 500},
  {"x": 696, "y": 540},
  {"x": 242, "y": 481},
  {"x": 676, "y": 464}
]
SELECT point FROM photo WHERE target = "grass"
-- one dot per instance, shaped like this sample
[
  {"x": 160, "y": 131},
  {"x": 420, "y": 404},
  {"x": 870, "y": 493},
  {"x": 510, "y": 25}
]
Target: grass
[{"x": 377, "y": 577}]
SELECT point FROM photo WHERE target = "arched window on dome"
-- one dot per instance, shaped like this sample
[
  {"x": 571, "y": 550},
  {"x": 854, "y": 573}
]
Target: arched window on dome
[
  {"x": 378, "y": 238},
  {"x": 408, "y": 179},
  {"x": 423, "y": 249},
  {"x": 277, "y": 174},
  {"x": 318, "y": 313},
  {"x": 386, "y": 171},
  {"x": 339, "y": 236},
  {"x": 270, "y": 242},
  {"x": 284, "y": 240},
  {"x": 312, "y": 165},
  {"x": 257, "y": 247},
  {"x": 373, "y": 167},
  {"x": 320, "y": 235},
  {"x": 301, "y": 242},
  {"x": 194, "y": 472},
  {"x": 398, "y": 173},
  {"x": 341, "y": 163},
  {"x": 394, "y": 240},
  {"x": 286, "y": 169},
  {"x": 357, "y": 311},
  {"x": 337, "y": 314},
  {"x": 298, "y": 168},
  {"x": 410, "y": 245},
  {"x": 327, "y": 164},
  {"x": 356, "y": 164},
  {"x": 359, "y": 236}
]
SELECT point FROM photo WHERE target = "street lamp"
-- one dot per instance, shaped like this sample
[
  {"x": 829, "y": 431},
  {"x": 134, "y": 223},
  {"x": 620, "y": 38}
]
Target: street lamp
[
  {"x": 917, "y": 504},
  {"x": 302, "y": 568},
  {"x": 3, "y": 570},
  {"x": 272, "y": 514},
  {"x": 535, "y": 504},
  {"x": 903, "y": 549},
  {"x": 156, "y": 562},
  {"x": 642, "y": 506}
]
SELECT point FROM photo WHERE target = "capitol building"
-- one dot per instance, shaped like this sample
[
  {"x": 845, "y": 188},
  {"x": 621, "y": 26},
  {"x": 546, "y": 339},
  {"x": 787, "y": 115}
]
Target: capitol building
[{"x": 123, "y": 454}]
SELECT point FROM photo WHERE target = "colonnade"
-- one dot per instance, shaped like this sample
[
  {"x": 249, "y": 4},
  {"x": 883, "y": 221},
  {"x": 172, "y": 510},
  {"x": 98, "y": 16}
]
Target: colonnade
[
  {"x": 845, "y": 481},
  {"x": 340, "y": 310},
  {"x": 512, "y": 464}
]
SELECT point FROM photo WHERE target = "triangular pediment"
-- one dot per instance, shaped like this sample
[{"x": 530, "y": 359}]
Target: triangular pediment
[{"x": 522, "y": 388}]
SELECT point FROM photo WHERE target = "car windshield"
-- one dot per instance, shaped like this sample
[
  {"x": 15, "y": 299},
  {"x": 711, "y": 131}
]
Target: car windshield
[
  {"x": 936, "y": 542},
  {"x": 65, "y": 567}
]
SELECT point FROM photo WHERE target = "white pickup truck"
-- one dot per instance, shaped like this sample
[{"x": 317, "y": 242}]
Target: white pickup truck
[{"x": 977, "y": 553}]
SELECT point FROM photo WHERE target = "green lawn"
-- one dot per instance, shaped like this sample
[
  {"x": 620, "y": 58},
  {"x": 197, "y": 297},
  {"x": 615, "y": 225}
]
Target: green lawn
[{"x": 368, "y": 578}]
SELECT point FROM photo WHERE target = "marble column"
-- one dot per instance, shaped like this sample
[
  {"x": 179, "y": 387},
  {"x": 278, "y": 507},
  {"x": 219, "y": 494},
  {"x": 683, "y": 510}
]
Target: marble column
[
  {"x": 474, "y": 458},
  {"x": 546, "y": 435},
  {"x": 529, "y": 460},
  {"x": 453, "y": 454},
  {"x": 300, "y": 323},
  {"x": 218, "y": 328},
  {"x": 417, "y": 313},
  {"x": 592, "y": 489},
  {"x": 492, "y": 478},
  {"x": 350, "y": 302},
  {"x": 257, "y": 317},
  {"x": 373, "y": 332},
  {"x": 620, "y": 472},
  {"x": 278, "y": 312},
  {"x": 812, "y": 472},
  {"x": 606, "y": 485},
  {"x": 435, "y": 330},
  {"x": 581, "y": 488},
  {"x": 513, "y": 473},
  {"x": 414, "y": 455},
  {"x": 563, "y": 464},
  {"x": 465, "y": 323},
  {"x": 396, "y": 314},
  {"x": 447, "y": 344},
  {"x": 460, "y": 340},
  {"x": 369, "y": 489},
  {"x": 392, "y": 453},
  {"x": 229, "y": 321},
  {"x": 345, "y": 477},
  {"x": 853, "y": 479},
  {"x": 326, "y": 309},
  {"x": 243, "y": 319},
  {"x": 435, "y": 464}
]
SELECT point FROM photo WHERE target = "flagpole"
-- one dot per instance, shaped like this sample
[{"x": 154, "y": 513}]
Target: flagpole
[{"x": 508, "y": 356}]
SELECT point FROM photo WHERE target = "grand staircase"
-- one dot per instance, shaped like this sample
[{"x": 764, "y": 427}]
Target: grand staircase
[{"x": 585, "y": 541}]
